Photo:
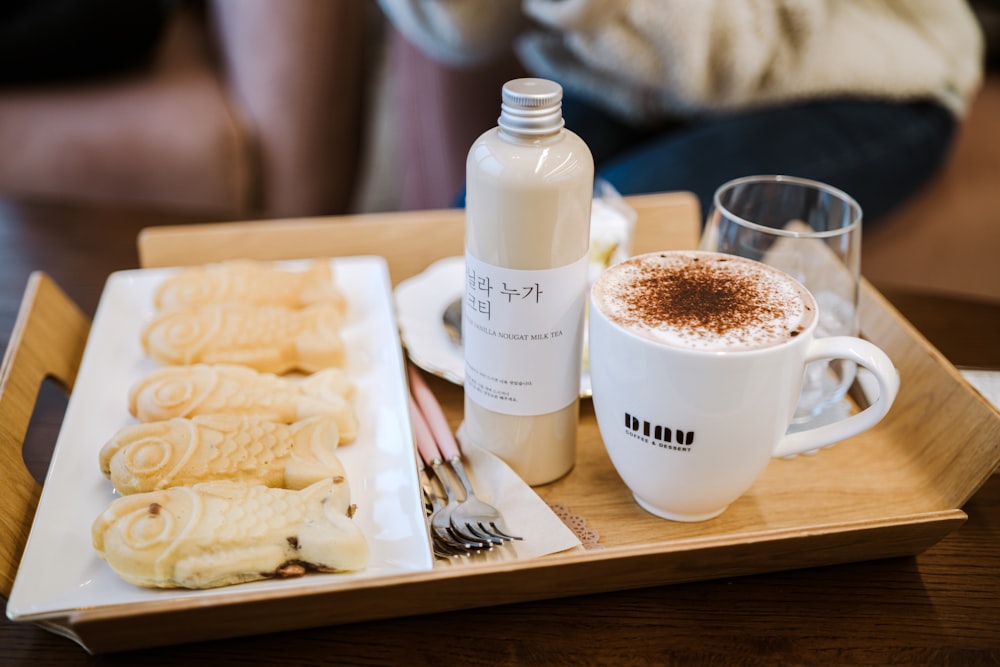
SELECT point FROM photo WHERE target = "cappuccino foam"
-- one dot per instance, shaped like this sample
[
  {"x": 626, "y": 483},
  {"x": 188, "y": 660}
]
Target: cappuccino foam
[{"x": 704, "y": 301}]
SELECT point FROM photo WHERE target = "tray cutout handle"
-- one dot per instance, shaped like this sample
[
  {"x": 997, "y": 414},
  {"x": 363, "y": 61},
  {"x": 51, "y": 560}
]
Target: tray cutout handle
[{"x": 48, "y": 340}]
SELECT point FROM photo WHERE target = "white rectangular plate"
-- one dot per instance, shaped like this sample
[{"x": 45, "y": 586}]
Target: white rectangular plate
[{"x": 60, "y": 572}]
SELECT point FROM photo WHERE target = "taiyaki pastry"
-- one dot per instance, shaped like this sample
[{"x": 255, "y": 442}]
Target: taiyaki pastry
[
  {"x": 203, "y": 389},
  {"x": 220, "y": 533},
  {"x": 252, "y": 282},
  {"x": 273, "y": 339},
  {"x": 183, "y": 452}
]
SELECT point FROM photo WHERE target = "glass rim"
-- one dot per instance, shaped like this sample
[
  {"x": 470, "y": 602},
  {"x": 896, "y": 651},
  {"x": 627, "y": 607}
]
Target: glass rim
[{"x": 795, "y": 180}]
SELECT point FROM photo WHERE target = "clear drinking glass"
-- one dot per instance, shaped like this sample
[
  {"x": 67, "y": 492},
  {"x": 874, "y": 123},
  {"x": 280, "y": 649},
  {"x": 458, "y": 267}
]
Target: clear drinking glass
[{"x": 813, "y": 232}]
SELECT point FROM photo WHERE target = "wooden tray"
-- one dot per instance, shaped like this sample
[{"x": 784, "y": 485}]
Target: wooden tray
[{"x": 895, "y": 490}]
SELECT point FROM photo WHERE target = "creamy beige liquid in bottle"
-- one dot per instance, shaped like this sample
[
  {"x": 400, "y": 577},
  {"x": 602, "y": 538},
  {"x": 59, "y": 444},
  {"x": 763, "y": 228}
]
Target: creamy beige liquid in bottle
[{"x": 529, "y": 190}]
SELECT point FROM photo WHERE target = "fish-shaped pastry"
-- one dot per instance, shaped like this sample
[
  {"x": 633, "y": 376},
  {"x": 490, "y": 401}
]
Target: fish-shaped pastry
[
  {"x": 249, "y": 281},
  {"x": 220, "y": 533},
  {"x": 203, "y": 389},
  {"x": 272, "y": 339},
  {"x": 183, "y": 452}
]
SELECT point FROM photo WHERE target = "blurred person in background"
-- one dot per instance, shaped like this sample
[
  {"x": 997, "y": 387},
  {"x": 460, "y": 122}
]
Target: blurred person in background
[
  {"x": 687, "y": 94},
  {"x": 46, "y": 41}
]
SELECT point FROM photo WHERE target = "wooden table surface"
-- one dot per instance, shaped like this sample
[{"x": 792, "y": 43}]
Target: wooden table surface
[{"x": 940, "y": 607}]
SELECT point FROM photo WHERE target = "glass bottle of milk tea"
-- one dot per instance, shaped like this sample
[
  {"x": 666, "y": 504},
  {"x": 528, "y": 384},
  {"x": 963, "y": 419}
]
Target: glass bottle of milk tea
[{"x": 529, "y": 188}]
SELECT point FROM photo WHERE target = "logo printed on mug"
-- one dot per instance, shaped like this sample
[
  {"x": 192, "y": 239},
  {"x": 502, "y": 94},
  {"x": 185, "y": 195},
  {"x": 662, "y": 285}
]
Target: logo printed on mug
[{"x": 660, "y": 435}]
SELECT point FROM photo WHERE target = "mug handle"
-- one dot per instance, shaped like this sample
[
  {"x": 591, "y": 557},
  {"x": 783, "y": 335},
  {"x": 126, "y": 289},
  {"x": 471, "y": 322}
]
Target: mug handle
[{"x": 866, "y": 355}]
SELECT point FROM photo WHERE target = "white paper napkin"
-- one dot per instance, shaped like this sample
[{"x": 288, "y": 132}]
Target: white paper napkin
[
  {"x": 524, "y": 512},
  {"x": 986, "y": 383}
]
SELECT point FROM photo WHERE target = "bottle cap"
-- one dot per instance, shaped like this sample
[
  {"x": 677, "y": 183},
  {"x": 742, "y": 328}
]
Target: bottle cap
[{"x": 531, "y": 107}]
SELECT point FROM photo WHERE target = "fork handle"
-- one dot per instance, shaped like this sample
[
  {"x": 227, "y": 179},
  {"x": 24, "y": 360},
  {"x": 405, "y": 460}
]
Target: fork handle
[
  {"x": 422, "y": 433},
  {"x": 434, "y": 415},
  {"x": 456, "y": 465}
]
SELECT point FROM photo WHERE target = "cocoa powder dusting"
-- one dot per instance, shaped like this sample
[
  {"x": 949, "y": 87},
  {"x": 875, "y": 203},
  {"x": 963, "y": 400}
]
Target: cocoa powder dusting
[{"x": 700, "y": 298}]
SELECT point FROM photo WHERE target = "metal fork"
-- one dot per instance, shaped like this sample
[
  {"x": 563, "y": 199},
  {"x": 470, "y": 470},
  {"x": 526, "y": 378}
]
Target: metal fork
[
  {"x": 442, "y": 530},
  {"x": 443, "y": 544},
  {"x": 472, "y": 518},
  {"x": 479, "y": 519}
]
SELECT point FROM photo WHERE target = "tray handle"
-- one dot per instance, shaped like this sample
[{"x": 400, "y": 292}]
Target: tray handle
[{"x": 48, "y": 339}]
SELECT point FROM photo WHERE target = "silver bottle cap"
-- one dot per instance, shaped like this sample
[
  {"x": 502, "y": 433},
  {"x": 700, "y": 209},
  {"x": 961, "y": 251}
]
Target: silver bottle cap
[{"x": 531, "y": 107}]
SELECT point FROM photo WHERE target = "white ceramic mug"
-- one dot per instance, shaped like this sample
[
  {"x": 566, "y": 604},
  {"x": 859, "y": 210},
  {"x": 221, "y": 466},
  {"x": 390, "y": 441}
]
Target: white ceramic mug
[{"x": 691, "y": 411}]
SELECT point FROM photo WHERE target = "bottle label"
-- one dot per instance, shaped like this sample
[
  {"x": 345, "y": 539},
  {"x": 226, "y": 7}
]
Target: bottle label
[{"x": 523, "y": 335}]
